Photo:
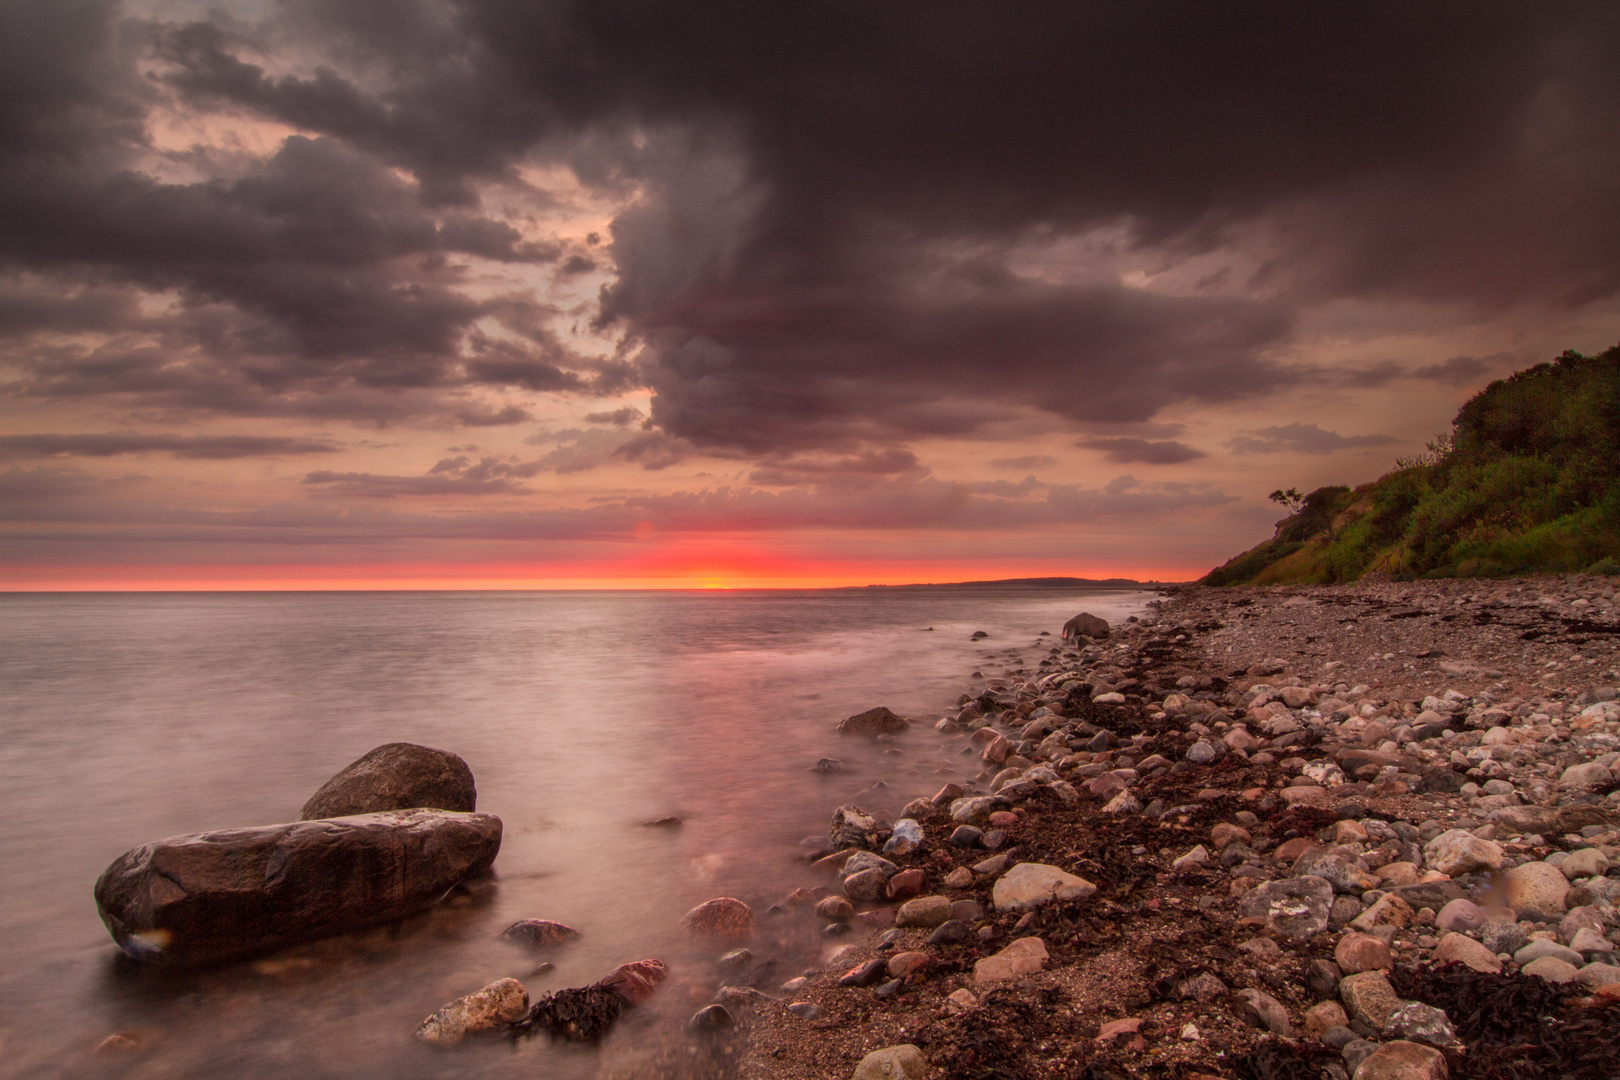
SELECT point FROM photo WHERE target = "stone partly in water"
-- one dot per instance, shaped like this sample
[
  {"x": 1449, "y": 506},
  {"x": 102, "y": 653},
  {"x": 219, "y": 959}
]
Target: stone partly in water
[
  {"x": 539, "y": 933},
  {"x": 724, "y": 920},
  {"x": 395, "y": 776},
  {"x": 209, "y": 897},
  {"x": 1085, "y": 624},
  {"x": 502, "y": 1002},
  {"x": 878, "y": 721}
]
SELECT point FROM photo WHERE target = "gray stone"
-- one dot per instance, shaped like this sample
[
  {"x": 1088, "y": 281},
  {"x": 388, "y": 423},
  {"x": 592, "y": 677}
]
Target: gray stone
[
  {"x": 1542, "y": 947},
  {"x": 1265, "y": 1011},
  {"x": 1085, "y": 624},
  {"x": 1296, "y": 908},
  {"x": 1421, "y": 1023},
  {"x": 1458, "y": 852}
]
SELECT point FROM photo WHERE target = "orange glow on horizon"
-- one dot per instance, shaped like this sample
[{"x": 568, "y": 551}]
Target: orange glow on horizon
[{"x": 718, "y": 575}]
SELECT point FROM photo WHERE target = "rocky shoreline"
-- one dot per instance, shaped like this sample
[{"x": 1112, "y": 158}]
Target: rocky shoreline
[{"x": 1358, "y": 831}]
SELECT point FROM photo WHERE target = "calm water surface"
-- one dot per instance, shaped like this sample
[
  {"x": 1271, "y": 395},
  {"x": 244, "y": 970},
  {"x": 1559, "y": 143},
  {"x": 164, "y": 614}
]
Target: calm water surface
[{"x": 124, "y": 718}]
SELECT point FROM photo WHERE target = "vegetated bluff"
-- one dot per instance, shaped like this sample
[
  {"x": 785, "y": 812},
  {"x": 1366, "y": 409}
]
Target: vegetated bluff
[{"x": 1527, "y": 481}]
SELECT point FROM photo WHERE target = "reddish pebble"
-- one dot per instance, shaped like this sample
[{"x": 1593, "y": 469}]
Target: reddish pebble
[
  {"x": 908, "y": 963},
  {"x": 906, "y": 884},
  {"x": 1003, "y": 819},
  {"x": 636, "y": 981}
]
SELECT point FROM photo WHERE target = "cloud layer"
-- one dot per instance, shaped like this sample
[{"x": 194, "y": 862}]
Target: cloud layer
[{"x": 820, "y": 251}]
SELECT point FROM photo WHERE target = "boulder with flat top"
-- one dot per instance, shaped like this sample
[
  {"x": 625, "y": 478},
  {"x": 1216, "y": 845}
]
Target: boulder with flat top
[{"x": 207, "y": 897}]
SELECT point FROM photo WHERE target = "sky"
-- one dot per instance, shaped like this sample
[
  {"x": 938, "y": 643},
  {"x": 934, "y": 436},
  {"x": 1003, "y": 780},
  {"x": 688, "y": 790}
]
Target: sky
[{"x": 520, "y": 293}]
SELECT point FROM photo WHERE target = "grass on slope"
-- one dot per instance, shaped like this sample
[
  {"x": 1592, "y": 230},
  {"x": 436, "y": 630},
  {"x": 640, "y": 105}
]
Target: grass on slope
[{"x": 1527, "y": 481}]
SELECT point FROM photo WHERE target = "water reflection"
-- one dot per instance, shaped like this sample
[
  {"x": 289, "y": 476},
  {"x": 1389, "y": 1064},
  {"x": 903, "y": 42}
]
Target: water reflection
[{"x": 127, "y": 718}]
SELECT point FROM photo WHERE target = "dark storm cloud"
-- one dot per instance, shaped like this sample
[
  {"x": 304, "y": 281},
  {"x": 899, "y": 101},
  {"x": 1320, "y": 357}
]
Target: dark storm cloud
[
  {"x": 196, "y": 447},
  {"x": 1301, "y": 439},
  {"x": 618, "y": 417},
  {"x": 1460, "y": 370},
  {"x": 832, "y": 197},
  {"x": 1125, "y": 450}
]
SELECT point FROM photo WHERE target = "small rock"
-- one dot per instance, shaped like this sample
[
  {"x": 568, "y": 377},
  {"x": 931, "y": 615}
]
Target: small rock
[
  {"x": 878, "y": 721},
  {"x": 1542, "y": 947},
  {"x": 1030, "y": 885},
  {"x": 1402, "y": 1060},
  {"x": 538, "y": 933},
  {"x": 960, "y": 878},
  {"x": 906, "y": 884},
  {"x": 1417, "y": 1022},
  {"x": 1536, "y": 891},
  {"x": 1368, "y": 997},
  {"x": 1585, "y": 863},
  {"x": 1550, "y": 968},
  {"x": 1323, "y": 1016},
  {"x": 502, "y": 1002},
  {"x": 835, "y": 908},
  {"x": 1193, "y": 860},
  {"x": 1460, "y": 915},
  {"x": 924, "y": 911},
  {"x": 1296, "y": 908},
  {"x": 950, "y": 932},
  {"x": 1357, "y": 952},
  {"x": 960, "y": 1001},
  {"x": 904, "y": 839},
  {"x": 1465, "y": 950},
  {"x": 1457, "y": 852},
  {"x": 806, "y": 1010},
  {"x": 903, "y": 1062},
  {"x": 869, "y": 884},
  {"x": 721, "y": 920},
  {"x": 1201, "y": 988},
  {"x": 1023, "y": 957},
  {"x": 711, "y": 1018},
  {"x": 1263, "y": 1010}
]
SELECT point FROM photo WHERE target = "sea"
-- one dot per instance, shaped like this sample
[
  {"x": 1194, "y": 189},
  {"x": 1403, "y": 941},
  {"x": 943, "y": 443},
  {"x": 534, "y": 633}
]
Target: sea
[{"x": 129, "y": 717}]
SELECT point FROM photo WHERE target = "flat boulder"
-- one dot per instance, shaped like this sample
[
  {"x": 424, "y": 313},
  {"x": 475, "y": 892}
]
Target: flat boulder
[
  {"x": 1031, "y": 885},
  {"x": 878, "y": 721},
  {"x": 395, "y": 776},
  {"x": 203, "y": 898}
]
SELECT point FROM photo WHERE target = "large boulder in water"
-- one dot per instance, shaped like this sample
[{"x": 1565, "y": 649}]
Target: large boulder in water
[
  {"x": 878, "y": 721},
  {"x": 207, "y": 897},
  {"x": 396, "y": 776},
  {"x": 1085, "y": 624}
]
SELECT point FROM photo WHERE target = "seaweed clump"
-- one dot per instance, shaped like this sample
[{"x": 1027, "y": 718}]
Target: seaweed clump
[{"x": 1518, "y": 1027}]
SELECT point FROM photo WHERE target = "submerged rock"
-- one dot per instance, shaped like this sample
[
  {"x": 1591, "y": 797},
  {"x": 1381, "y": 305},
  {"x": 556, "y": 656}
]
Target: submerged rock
[
  {"x": 723, "y": 919},
  {"x": 395, "y": 776},
  {"x": 538, "y": 933},
  {"x": 878, "y": 721},
  {"x": 208, "y": 897}
]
